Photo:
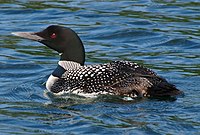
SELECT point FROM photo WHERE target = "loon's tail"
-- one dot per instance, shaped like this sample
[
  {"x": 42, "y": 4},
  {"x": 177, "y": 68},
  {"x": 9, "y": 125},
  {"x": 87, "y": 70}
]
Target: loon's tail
[{"x": 164, "y": 89}]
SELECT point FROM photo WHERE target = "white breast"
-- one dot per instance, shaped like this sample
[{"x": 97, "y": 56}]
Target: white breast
[{"x": 51, "y": 80}]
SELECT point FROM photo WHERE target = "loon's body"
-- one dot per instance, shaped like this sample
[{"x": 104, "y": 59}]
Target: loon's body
[
  {"x": 121, "y": 78},
  {"x": 115, "y": 78}
]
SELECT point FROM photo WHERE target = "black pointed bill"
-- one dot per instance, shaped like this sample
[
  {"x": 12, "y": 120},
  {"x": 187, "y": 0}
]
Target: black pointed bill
[{"x": 28, "y": 35}]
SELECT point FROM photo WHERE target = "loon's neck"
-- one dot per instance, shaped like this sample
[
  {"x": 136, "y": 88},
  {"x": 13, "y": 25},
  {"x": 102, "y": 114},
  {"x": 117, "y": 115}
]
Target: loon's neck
[
  {"x": 74, "y": 52},
  {"x": 62, "y": 67},
  {"x": 69, "y": 64}
]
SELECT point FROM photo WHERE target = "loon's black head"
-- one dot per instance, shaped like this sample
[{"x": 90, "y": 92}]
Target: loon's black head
[{"x": 61, "y": 39}]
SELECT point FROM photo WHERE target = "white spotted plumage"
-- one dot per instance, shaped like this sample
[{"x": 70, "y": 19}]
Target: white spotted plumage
[{"x": 96, "y": 78}]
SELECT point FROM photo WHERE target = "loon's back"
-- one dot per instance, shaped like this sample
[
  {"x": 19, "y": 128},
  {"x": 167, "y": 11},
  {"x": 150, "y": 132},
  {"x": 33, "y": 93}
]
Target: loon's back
[{"x": 116, "y": 78}]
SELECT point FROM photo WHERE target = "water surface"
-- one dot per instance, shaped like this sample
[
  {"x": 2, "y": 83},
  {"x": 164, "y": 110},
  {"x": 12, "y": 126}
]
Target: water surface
[{"x": 163, "y": 35}]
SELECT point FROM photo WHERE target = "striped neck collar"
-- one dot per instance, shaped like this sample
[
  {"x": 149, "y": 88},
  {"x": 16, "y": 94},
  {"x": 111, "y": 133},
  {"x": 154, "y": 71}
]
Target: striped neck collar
[
  {"x": 63, "y": 66},
  {"x": 69, "y": 65}
]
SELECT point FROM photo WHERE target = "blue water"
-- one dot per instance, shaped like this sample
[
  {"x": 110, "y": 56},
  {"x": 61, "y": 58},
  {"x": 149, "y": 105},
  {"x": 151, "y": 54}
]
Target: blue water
[{"x": 163, "y": 35}]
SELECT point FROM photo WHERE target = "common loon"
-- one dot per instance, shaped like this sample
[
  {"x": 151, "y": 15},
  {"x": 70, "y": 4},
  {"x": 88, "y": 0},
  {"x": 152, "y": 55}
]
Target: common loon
[{"x": 122, "y": 78}]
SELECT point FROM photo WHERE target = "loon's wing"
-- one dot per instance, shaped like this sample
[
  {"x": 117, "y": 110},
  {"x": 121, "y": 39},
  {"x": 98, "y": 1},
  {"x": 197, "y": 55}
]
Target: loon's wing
[
  {"x": 132, "y": 68},
  {"x": 141, "y": 81}
]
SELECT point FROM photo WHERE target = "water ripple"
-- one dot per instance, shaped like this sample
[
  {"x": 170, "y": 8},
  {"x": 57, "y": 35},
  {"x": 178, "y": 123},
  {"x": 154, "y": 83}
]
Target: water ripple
[{"x": 162, "y": 35}]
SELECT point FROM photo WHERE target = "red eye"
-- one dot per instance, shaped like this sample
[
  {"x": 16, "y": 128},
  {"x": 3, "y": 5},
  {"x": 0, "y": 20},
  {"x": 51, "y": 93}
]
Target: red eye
[{"x": 53, "y": 35}]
